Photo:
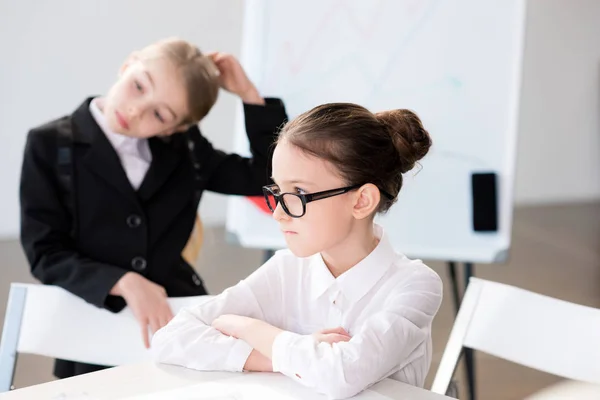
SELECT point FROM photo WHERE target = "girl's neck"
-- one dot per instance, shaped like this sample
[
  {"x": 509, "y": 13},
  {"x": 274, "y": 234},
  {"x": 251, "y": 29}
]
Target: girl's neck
[{"x": 352, "y": 250}]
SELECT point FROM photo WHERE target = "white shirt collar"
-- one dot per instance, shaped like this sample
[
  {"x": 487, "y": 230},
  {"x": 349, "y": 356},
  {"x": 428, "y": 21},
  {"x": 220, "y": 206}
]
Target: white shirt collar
[
  {"x": 359, "y": 279},
  {"x": 116, "y": 139}
]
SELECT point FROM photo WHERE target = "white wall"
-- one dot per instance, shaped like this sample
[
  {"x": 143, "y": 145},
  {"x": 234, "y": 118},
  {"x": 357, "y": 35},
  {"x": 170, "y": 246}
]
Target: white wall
[
  {"x": 559, "y": 139},
  {"x": 56, "y": 53}
]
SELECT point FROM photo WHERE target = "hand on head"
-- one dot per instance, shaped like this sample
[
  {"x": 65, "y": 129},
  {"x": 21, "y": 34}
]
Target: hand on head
[{"x": 233, "y": 78}]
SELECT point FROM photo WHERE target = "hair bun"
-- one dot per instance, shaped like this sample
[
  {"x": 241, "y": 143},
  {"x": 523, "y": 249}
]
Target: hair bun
[{"x": 411, "y": 140}]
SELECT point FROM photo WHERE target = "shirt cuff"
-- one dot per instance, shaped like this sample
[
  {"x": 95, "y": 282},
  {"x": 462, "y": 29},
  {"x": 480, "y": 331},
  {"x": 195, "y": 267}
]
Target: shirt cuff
[
  {"x": 281, "y": 351},
  {"x": 238, "y": 355},
  {"x": 265, "y": 118}
]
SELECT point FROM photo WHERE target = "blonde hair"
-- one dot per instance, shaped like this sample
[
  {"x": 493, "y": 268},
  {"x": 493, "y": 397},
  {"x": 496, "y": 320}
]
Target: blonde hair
[{"x": 200, "y": 75}]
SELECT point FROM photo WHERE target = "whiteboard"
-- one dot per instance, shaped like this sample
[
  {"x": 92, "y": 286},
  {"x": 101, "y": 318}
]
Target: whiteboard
[{"x": 456, "y": 63}]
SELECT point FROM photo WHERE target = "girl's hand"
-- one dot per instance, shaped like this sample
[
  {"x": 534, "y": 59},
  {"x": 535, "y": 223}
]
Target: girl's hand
[
  {"x": 147, "y": 300},
  {"x": 234, "y": 79},
  {"x": 332, "y": 335}
]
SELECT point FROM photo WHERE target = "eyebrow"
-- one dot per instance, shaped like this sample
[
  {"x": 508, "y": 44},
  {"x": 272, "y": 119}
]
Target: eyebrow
[
  {"x": 152, "y": 83},
  {"x": 149, "y": 77},
  {"x": 294, "y": 182}
]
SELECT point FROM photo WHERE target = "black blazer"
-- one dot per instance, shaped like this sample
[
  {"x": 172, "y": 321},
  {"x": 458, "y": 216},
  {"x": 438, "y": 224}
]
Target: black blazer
[{"x": 120, "y": 229}]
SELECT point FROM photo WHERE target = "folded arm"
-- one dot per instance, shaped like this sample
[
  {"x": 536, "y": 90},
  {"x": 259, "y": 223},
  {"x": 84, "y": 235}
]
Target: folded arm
[{"x": 192, "y": 339}]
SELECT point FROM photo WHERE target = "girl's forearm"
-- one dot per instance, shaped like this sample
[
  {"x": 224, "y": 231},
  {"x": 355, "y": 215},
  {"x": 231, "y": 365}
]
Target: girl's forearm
[{"x": 260, "y": 335}]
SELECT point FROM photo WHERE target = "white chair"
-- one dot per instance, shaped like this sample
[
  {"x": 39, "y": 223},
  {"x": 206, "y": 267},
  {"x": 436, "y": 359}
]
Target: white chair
[
  {"x": 527, "y": 328},
  {"x": 49, "y": 321}
]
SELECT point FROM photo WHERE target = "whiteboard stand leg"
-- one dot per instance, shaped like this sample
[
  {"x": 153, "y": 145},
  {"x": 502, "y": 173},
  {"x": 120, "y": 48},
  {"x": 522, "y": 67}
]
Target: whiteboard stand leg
[
  {"x": 454, "y": 281},
  {"x": 469, "y": 353},
  {"x": 457, "y": 298},
  {"x": 268, "y": 254}
]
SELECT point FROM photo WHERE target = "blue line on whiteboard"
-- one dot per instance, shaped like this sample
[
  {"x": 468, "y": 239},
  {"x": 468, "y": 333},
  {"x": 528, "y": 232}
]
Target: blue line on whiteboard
[
  {"x": 451, "y": 83},
  {"x": 466, "y": 158},
  {"x": 404, "y": 42},
  {"x": 356, "y": 59}
]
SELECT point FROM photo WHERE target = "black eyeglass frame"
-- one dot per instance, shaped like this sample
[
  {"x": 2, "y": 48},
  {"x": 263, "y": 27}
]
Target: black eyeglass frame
[{"x": 306, "y": 198}]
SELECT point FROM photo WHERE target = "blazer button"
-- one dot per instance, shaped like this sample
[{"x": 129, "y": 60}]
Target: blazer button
[
  {"x": 133, "y": 221},
  {"x": 196, "y": 280},
  {"x": 139, "y": 264}
]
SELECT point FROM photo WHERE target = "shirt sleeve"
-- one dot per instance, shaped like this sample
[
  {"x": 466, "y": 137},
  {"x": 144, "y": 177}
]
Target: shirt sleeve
[
  {"x": 234, "y": 174},
  {"x": 386, "y": 343},
  {"x": 189, "y": 340}
]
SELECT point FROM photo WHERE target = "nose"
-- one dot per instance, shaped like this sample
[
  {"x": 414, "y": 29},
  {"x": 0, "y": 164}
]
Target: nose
[
  {"x": 279, "y": 214},
  {"x": 133, "y": 111}
]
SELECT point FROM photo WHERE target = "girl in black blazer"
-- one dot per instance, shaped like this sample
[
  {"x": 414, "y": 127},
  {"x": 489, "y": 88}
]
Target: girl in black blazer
[{"x": 109, "y": 193}]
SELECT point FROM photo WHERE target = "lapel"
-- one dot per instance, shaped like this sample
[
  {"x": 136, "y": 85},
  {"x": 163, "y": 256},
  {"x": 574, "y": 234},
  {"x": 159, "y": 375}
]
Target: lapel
[
  {"x": 101, "y": 158},
  {"x": 165, "y": 159}
]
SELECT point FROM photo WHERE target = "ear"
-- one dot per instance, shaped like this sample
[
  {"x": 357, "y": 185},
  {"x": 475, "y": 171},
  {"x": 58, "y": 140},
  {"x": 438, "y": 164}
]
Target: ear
[
  {"x": 366, "y": 201},
  {"x": 132, "y": 59}
]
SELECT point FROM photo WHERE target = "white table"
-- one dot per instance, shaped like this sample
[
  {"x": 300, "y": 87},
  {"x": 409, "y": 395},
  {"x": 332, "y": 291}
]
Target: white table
[{"x": 146, "y": 378}]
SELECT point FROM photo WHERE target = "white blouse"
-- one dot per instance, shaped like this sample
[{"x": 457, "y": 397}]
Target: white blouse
[
  {"x": 386, "y": 303},
  {"x": 134, "y": 153}
]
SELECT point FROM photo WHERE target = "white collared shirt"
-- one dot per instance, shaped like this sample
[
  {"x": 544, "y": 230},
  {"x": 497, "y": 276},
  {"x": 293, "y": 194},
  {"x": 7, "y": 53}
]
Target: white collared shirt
[
  {"x": 134, "y": 153},
  {"x": 386, "y": 302}
]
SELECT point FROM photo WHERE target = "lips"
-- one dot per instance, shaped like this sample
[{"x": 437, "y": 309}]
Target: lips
[{"x": 121, "y": 120}]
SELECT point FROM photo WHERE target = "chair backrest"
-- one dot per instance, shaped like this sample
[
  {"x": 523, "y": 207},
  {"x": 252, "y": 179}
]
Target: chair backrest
[
  {"x": 192, "y": 248},
  {"x": 527, "y": 328},
  {"x": 49, "y": 321}
]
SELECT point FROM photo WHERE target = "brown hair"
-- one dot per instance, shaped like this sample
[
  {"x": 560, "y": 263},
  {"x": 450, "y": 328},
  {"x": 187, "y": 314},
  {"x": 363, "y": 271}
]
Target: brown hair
[
  {"x": 364, "y": 147},
  {"x": 199, "y": 73}
]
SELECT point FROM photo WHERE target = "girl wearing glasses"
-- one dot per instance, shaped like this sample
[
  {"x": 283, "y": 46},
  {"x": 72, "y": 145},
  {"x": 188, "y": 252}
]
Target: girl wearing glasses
[{"x": 340, "y": 309}]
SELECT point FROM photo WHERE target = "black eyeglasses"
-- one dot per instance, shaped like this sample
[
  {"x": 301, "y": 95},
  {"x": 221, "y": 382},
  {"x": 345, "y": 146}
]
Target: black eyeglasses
[{"x": 294, "y": 204}]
